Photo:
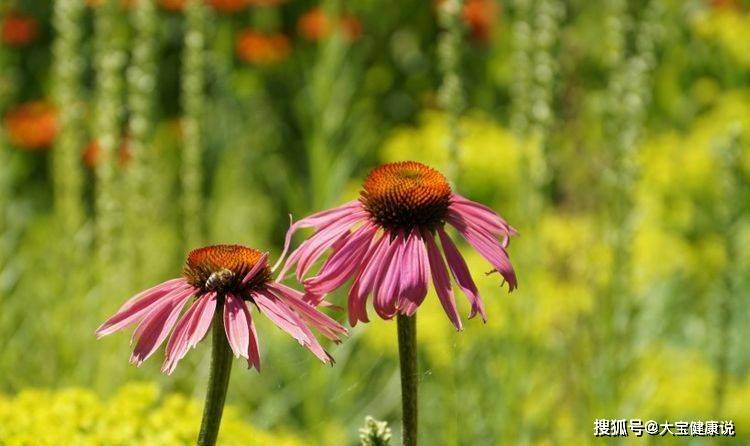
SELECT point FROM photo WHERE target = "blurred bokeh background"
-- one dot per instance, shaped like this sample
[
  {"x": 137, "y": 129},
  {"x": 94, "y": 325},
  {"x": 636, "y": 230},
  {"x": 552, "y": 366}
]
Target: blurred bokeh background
[{"x": 615, "y": 135}]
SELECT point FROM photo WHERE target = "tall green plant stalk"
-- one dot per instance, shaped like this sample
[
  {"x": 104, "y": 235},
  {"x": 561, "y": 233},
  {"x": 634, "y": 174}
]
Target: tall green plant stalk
[
  {"x": 522, "y": 71},
  {"x": 330, "y": 97},
  {"x": 141, "y": 78},
  {"x": 629, "y": 95},
  {"x": 6, "y": 198},
  {"x": 110, "y": 60},
  {"x": 451, "y": 93},
  {"x": 218, "y": 382},
  {"x": 732, "y": 209},
  {"x": 69, "y": 65},
  {"x": 6, "y": 181},
  {"x": 193, "y": 100},
  {"x": 407, "y": 354},
  {"x": 535, "y": 35}
]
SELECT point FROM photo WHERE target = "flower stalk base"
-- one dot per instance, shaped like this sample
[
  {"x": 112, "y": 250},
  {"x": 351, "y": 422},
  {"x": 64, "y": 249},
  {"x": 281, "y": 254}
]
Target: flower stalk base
[
  {"x": 218, "y": 381},
  {"x": 407, "y": 353}
]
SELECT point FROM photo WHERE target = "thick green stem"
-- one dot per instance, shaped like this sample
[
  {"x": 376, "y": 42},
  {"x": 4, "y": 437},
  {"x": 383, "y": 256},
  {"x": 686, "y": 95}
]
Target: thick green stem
[
  {"x": 407, "y": 353},
  {"x": 218, "y": 381}
]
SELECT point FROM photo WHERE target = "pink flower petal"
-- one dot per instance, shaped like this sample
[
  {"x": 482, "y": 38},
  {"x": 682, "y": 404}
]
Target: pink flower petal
[
  {"x": 259, "y": 265},
  {"x": 314, "y": 247},
  {"x": 319, "y": 221},
  {"x": 236, "y": 325},
  {"x": 178, "y": 343},
  {"x": 442, "y": 282},
  {"x": 365, "y": 282},
  {"x": 203, "y": 318},
  {"x": 388, "y": 279},
  {"x": 287, "y": 320},
  {"x": 461, "y": 274},
  {"x": 415, "y": 271},
  {"x": 342, "y": 264},
  {"x": 253, "y": 352},
  {"x": 155, "y": 328},
  {"x": 481, "y": 214},
  {"x": 138, "y": 306},
  {"x": 294, "y": 299},
  {"x": 488, "y": 247}
]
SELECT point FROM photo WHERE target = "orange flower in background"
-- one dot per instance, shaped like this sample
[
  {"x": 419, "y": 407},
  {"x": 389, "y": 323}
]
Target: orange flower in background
[
  {"x": 480, "y": 16},
  {"x": 92, "y": 154},
  {"x": 32, "y": 126},
  {"x": 316, "y": 25},
  {"x": 19, "y": 30},
  {"x": 262, "y": 48},
  {"x": 265, "y": 2},
  {"x": 733, "y": 5},
  {"x": 229, "y": 5},
  {"x": 172, "y": 5}
]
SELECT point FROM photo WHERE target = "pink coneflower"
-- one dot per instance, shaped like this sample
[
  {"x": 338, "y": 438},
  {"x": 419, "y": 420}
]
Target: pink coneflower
[
  {"x": 216, "y": 278},
  {"x": 386, "y": 242}
]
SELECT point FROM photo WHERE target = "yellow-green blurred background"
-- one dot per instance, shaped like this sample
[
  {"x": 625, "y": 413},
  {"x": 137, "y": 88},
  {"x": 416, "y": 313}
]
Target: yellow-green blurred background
[{"x": 614, "y": 135}]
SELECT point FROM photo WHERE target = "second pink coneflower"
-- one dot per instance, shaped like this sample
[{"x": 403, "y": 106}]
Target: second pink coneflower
[
  {"x": 387, "y": 241},
  {"x": 227, "y": 278},
  {"x": 224, "y": 282}
]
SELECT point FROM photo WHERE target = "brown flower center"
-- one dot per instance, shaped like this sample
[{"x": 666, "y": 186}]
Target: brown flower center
[
  {"x": 406, "y": 195},
  {"x": 221, "y": 268}
]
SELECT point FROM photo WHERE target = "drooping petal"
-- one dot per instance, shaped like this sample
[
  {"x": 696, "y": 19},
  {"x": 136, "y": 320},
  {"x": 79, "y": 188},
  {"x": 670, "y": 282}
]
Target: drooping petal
[
  {"x": 442, "y": 282},
  {"x": 287, "y": 320},
  {"x": 236, "y": 325},
  {"x": 321, "y": 220},
  {"x": 259, "y": 265},
  {"x": 203, "y": 318},
  {"x": 324, "y": 238},
  {"x": 294, "y": 299},
  {"x": 481, "y": 215},
  {"x": 365, "y": 282},
  {"x": 190, "y": 330},
  {"x": 387, "y": 282},
  {"x": 488, "y": 247},
  {"x": 414, "y": 275},
  {"x": 178, "y": 343},
  {"x": 342, "y": 264},
  {"x": 155, "y": 327},
  {"x": 138, "y": 306},
  {"x": 253, "y": 352},
  {"x": 461, "y": 274}
]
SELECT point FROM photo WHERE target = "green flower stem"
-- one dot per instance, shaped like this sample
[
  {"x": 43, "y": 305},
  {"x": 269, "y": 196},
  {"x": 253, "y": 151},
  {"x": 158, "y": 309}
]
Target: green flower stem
[
  {"x": 407, "y": 354},
  {"x": 218, "y": 381}
]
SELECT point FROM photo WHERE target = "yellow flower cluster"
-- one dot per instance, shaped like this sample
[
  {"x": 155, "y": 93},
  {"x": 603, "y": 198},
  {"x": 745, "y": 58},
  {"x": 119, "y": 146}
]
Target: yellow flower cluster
[
  {"x": 136, "y": 415},
  {"x": 679, "y": 189},
  {"x": 729, "y": 28},
  {"x": 675, "y": 383}
]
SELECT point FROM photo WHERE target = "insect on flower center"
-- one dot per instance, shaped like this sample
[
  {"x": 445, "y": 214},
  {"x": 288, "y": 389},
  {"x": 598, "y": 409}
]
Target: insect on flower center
[
  {"x": 222, "y": 268},
  {"x": 406, "y": 195}
]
